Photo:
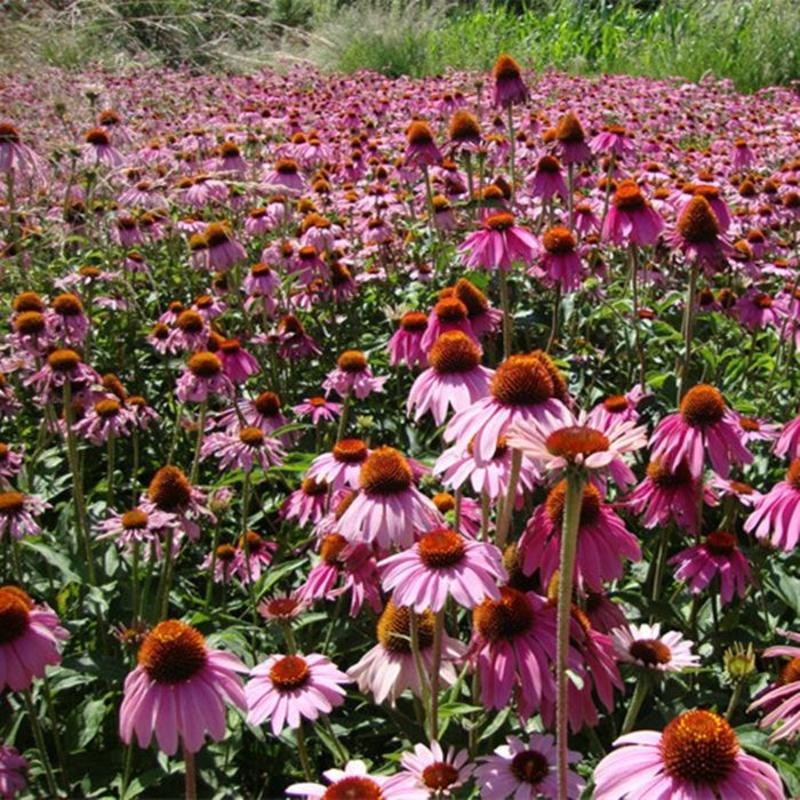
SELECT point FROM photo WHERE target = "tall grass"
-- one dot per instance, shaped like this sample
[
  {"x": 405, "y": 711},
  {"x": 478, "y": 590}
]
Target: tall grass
[{"x": 753, "y": 42}]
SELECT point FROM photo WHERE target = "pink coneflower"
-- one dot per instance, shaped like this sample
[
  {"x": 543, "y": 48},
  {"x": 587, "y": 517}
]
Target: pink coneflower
[
  {"x": 136, "y": 527},
  {"x": 257, "y": 554},
  {"x": 307, "y": 504},
  {"x": 483, "y": 319},
  {"x": 743, "y": 156},
  {"x": 108, "y": 416},
  {"x": 143, "y": 414},
  {"x": 603, "y": 544},
  {"x": 10, "y": 462},
  {"x": 405, "y": 345},
  {"x": 646, "y": 647},
  {"x": 457, "y": 466},
  {"x": 499, "y": 244},
  {"x": 667, "y": 494},
  {"x": 66, "y": 320},
  {"x": 526, "y": 770},
  {"x": 697, "y": 234},
  {"x": 436, "y": 771},
  {"x": 443, "y": 564},
  {"x": 560, "y": 260},
  {"x": 554, "y": 447},
  {"x": 13, "y": 772},
  {"x": 509, "y": 88},
  {"x": 243, "y": 448},
  {"x": 264, "y": 412},
  {"x": 62, "y": 365},
  {"x": 353, "y": 565},
  {"x": 616, "y": 407},
  {"x": 720, "y": 556},
  {"x": 222, "y": 250},
  {"x": 704, "y": 423},
  {"x": 190, "y": 332},
  {"x": 547, "y": 181},
  {"x": 455, "y": 378},
  {"x": 320, "y": 409},
  {"x": 354, "y": 783},
  {"x": 448, "y": 315},
  {"x": 782, "y": 698},
  {"x": 421, "y": 149},
  {"x": 524, "y": 387},
  {"x": 286, "y": 689},
  {"x": 171, "y": 492},
  {"x": 631, "y": 219},
  {"x": 237, "y": 363},
  {"x": 31, "y": 637},
  {"x": 178, "y": 690},
  {"x": 613, "y": 140},
  {"x": 758, "y": 429},
  {"x": 352, "y": 374},
  {"x": 226, "y": 562},
  {"x": 775, "y": 516},
  {"x": 202, "y": 378},
  {"x": 756, "y": 310},
  {"x": 17, "y": 512},
  {"x": 342, "y": 466},
  {"x": 788, "y": 444},
  {"x": 514, "y": 647},
  {"x": 696, "y": 757},
  {"x": 571, "y": 140},
  {"x": 388, "y": 669},
  {"x": 16, "y": 158},
  {"x": 98, "y": 149},
  {"x": 285, "y": 176},
  {"x": 390, "y": 509}
]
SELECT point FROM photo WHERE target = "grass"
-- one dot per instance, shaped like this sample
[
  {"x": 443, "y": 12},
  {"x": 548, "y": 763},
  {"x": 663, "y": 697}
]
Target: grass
[{"x": 752, "y": 42}]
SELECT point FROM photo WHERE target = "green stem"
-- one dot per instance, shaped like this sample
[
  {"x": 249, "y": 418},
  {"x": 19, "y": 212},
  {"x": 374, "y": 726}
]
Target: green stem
[
  {"x": 201, "y": 428},
  {"x": 251, "y": 592},
  {"x": 51, "y": 712},
  {"x": 436, "y": 664},
  {"x": 191, "y": 775},
  {"x": 166, "y": 578},
  {"x": 569, "y": 541},
  {"x": 301, "y": 749},
  {"x": 639, "y": 694},
  {"x": 40, "y": 745},
  {"x": 340, "y": 431},
  {"x": 110, "y": 476},
  {"x": 736, "y": 696},
  {"x": 688, "y": 330},
  {"x": 415, "y": 650},
  {"x": 210, "y": 582},
  {"x": 508, "y": 322},
  {"x": 512, "y": 150},
  {"x": 135, "y": 579},
  {"x": 554, "y": 325},
  {"x": 504, "y": 522}
]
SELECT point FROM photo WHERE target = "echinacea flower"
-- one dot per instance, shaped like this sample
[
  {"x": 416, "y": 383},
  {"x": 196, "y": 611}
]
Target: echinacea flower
[
  {"x": 17, "y": 512},
  {"x": 646, "y": 647},
  {"x": 696, "y": 757},
  {"x": 13, "y": 772},
  {"x": 202, "y": 378},
  {"x": 178, "y": 690},
  {"x": 389, "y": 509},
  {"x": 631, "y": 219},
  {"x": 107, "y": 417},
  {"x": 30, "y": 641},
  {"x": 571, "y": 140},
  {"x": 509, "y": 88},
  {"x": 554, "y": 447},
  {"x": 285, "y": 689},
  {"x": 499, "y": 244},
  {"x": 421, "y": 150},
  {"x": 405, "y": 346},
  {"x": 704, "y": 423},
  {"x": 455, "y": 378},
  {"x": 308, "y": 503},
  {"x": 355, "y": 782},
  {"x": 603, "y": 543},
  {"x": 136, "y": 527},
  {"x": 514, "y": 647},
  {"x": 319, "y": 409},
  {"x": 257, "y": 554},
  {"x": 526, "y": 770},
  {"x": 388, "y": 669},
  {"x": 788, "y": 444},
  {"x": 243, "y": 448},
  {"x": 171, "y": 492},
  {"x": 352, "y": 374},
  {"x": 342, "y": 466},
  {"x": 443, "y": 564},
  {"x": 776, "y": 515},
  {"x": 524, "y": 387},
  {"x": 10, "y": 462},
  {"x": 697, "y": 233},
  {"x": 225, "y": 561},
  {"x": 718, "y": 556},
  {"x": 560, "y": 260},
  {"x": 781, "y": 700}
]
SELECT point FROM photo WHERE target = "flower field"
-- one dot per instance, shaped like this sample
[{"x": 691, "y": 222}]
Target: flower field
[{"x": 373, "y": 439}]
